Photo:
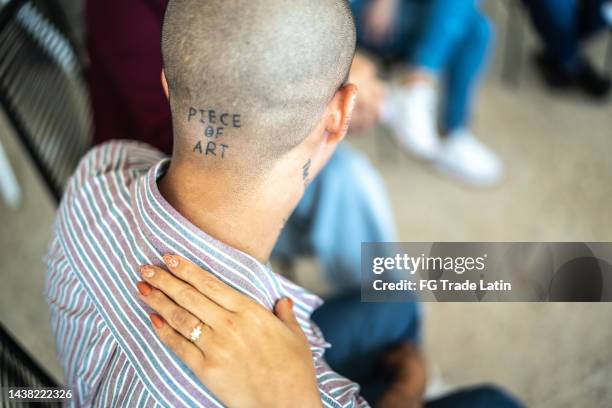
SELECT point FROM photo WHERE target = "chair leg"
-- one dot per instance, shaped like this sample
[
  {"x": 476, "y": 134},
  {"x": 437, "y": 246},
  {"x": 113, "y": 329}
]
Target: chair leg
[
  {"x": 9, "y": 187},
  {"x": 608, "y": 63},
  {"x": 513, "y": 48}
]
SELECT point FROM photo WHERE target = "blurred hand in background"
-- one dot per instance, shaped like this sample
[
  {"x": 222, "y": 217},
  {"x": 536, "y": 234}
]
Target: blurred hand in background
[{"x": 371, "y": 94}]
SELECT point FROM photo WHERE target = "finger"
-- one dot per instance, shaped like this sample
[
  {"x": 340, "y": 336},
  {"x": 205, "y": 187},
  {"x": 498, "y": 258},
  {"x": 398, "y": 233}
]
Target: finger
[
  {"x": 177, "y": 317},
  {"x": 376, "y": 109},
  {"x": 184, "y": 349},
  {"x": 284, "y": 311},
  {"x": 205, "y": 282},
  {"x": 184, "y": 295},
  {"x": 378, "y": 91},
  {"x": 368, "y": 120},
  {"x": 368, "y": 68}
]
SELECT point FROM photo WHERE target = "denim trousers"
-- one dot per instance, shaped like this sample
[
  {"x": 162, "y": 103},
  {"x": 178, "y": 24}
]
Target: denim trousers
[
  {"x": 361, "y": 332},
  {"x": 562, "y": 24},
  {"x": 345, "y": 205}
]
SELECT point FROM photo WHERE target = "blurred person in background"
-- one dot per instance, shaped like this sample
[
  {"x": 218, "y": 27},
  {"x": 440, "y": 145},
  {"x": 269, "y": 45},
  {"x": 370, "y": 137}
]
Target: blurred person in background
[
  {"x": 562, "y": 26},
  {"x": 346, "y": 205},
  {"x": 437, "y": 43}
]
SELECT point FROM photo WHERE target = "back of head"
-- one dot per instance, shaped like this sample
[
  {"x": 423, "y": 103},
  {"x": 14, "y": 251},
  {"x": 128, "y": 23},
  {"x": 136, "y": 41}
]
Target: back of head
[{"x": 248, "y": 80}]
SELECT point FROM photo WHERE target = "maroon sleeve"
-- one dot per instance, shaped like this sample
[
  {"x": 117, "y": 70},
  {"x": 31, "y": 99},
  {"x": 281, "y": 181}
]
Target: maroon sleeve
[{"x": 124, "y": 47}]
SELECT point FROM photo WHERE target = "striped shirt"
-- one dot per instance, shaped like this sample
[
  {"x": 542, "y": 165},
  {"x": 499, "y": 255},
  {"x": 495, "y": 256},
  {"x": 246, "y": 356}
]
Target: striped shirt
[{"x": 113, "y": 219}]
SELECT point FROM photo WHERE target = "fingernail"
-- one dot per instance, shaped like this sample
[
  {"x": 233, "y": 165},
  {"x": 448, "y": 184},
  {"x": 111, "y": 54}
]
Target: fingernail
[
  {"x": 290, "y": 301},
  {"x": 147, "y": 271},
  {"x": 144, "y": 288},
  {"x": 171, "y": 261},
  {"x": 157, "y": 321}
]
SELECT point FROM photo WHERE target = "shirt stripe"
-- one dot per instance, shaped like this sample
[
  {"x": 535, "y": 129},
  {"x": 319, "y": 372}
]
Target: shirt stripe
[{"x": 111, "y": 220}]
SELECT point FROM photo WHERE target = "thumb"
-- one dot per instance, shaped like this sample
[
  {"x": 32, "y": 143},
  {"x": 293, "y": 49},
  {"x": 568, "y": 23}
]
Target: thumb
[{"x": 284, "y": 311}]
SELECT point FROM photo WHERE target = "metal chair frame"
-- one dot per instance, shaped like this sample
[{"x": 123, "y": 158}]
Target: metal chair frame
[{"x": 39, "y": 24}]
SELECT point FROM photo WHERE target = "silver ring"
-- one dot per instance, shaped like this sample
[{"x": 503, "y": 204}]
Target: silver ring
[{"x": 196, "y": 333}]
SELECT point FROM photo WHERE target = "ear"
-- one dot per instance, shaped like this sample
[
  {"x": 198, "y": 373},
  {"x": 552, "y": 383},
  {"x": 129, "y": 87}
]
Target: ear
[
  {"x": 339, "y": 112},
  {"x": 164, "y": 82}
]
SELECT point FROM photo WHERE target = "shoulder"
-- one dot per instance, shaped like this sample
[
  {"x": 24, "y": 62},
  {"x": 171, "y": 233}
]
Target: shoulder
[
  {"x": 66, "y": 295},
  {"x": 100, "y": 187},
  {"x": 121, "y": 386},
  {"x": 97, "y": 365},
  {"x": 114, "y": 156}
]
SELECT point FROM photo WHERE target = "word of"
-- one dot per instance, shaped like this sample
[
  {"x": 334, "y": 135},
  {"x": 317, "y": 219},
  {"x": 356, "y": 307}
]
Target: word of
[{"x": 215, "y": 122}]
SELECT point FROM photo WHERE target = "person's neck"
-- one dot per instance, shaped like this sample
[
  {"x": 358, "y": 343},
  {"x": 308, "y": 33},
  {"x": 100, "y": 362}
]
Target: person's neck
[{"x": 243, "y": 216}]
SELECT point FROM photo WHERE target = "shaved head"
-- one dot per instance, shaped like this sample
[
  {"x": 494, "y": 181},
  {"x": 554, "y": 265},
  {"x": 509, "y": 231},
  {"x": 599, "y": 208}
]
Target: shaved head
[{"x": 251, "y": 79}]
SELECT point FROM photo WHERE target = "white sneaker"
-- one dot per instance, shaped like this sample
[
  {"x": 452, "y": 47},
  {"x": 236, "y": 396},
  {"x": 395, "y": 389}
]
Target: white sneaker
[
  {"x": 410, "y": 112},
  {"x": 466, "y": 159}
]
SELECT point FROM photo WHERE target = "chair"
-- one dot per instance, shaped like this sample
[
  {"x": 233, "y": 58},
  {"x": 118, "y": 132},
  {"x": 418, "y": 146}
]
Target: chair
[
  {"x": 42, "y": 89},
  {"x": 43, "y": 95},
  {"x": 19, "y": 369},
  {"x": 513, "y": 44}
]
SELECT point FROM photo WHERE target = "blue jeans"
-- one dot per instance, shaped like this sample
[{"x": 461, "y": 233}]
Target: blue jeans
[
  {"x": 562, "y": 24},
  {"x": 447, "y": 37},
  {"x": 360, "y": 333},
  {"x": 346, "y": 204}
]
